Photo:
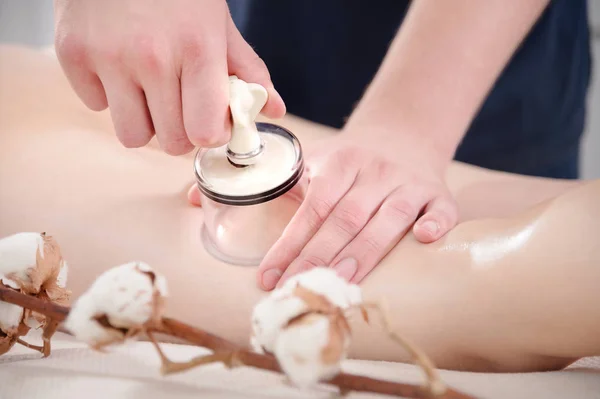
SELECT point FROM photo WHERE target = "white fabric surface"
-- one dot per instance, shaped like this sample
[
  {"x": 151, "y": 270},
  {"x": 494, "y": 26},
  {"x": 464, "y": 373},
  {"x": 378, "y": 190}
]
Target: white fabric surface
[{"x": 132, "y": 372}]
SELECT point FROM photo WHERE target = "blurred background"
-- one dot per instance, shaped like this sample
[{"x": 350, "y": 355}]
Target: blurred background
[{"x": 30, "y": 22}]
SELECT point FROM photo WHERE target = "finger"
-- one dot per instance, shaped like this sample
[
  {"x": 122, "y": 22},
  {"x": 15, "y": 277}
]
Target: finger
[
  {"x": 440, "y": 216},
  {"x": 163, "y": 94},
  {"x": 322, "y": 195},
  {"x": 385, "y": 229},
  {"x": 300, "y": 189},
  {"x": 194, "y": 195},
  {"x": 345, "y": 222},
  {"x": 129, "y": 112},
  {"x": 73, "y": 58},
  {"x": 205, "y": 95},
  {"x": 247, "y": 65}
]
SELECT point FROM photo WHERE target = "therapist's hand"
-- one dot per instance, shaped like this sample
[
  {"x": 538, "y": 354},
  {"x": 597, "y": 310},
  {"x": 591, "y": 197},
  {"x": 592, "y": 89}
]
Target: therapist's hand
[
  {"x": 161, "y": 67},
  {"x": 362, "y": 198}
]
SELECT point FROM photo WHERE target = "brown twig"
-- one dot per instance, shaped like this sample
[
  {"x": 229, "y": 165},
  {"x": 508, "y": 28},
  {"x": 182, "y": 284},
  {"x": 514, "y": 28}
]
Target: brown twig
[
  {"x": 177, "y": 329},
  {"x": 434, "y": 382},
  {"x": 30, "y": 346},
  {"x": 48, "y": 309},
  {"x": 228, "y": 350}
]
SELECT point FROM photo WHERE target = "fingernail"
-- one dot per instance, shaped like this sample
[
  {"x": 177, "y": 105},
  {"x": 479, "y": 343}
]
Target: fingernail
[
  {"x": 430, "y": 226},
  {"x": 346, "y": 268},
  {"x": 270, "y": 278}
]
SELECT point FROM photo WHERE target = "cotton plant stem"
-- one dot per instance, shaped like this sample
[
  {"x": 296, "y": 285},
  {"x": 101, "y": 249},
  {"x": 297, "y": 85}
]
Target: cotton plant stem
[
  {"x": 192, "y": 335},
  {"x": 434, "y": 382},
  {"x": 170, "y": 367},
  {"x": 30, "y": 346},
  {"x": 49, "y": 330},
  {"x": 48, "y": 309},
  {"x": 345, "y": 382}
]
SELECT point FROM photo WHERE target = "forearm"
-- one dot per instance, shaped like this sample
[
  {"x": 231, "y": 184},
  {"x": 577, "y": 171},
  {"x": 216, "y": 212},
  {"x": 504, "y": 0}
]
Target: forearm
[{"x": 440, "y": 67}]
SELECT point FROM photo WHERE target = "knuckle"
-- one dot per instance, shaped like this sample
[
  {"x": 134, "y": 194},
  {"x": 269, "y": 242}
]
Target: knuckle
[
  {"x": 383, "y": 170},
  {"x": 259, "y": 65},
  {"x": 451, "y": 218},
  {"x": 149, "y": 54},
  {"x": 207, "y": 137},
  {"x": 401, "y": 209},
  {"x": 69, "y": 47},
  {"x": 251, "y": 58},
  {"x": 130, "y": 138},
  {"x": 206, "y": 126},
  {"x": 372, "y": 245},
  {"x": 445, "y": 219},
  {"x": 310, "y": 262},
  {"x": 350, "y": 218},
  {"x": 193, "y": 49},
  {"x": 444, "y": 208},
  {"x": 318, "y": 209},
  {"x": 177, "y": 145},
  {"x": 111, "y": 54},
  {"x": 347, "y": 154},
  {"x": 451, "y": 209}
]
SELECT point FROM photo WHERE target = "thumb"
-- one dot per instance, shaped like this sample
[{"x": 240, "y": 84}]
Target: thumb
[
  {"x": 194, "y": 195},
  {"x": 243, "y": 62}
]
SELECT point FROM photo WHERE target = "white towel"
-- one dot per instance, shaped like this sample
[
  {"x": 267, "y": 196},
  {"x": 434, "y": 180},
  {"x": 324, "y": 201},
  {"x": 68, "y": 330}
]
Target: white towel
[{"x": 132, "y": 372}]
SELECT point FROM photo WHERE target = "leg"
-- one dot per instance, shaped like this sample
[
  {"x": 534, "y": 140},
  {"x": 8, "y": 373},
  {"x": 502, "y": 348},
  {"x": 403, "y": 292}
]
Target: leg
[
  {"x": 63, "y": 171},
  {"x": 509, "y": 294}
]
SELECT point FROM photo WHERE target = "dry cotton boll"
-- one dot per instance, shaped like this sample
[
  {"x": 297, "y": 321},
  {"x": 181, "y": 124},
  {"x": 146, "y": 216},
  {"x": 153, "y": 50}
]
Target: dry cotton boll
[
  {"x": 311, "y": 347},
  {"x": 276, "y": 309},
  {"x": 325, "y": 281},
  {"x": 11, "y": 319},
  {"x": 32, "y": 264},
  {"x": 270, "y": 315},
  {"x": 118, "y": 305},
  {"x": 303, "y": 324}
]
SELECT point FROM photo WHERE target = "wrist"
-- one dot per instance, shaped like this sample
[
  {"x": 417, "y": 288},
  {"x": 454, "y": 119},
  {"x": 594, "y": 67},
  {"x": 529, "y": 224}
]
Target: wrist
[{"x": 394, "y": 132}]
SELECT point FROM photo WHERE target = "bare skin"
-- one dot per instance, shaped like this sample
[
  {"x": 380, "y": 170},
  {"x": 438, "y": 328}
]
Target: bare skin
[
  {"x": 161, "y": 69},
  {"x": 512, "y": 287}
]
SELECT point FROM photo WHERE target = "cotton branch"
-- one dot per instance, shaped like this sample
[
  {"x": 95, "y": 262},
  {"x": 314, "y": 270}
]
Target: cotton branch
[
  {"x": 344, "y": 381},
  {"x": 176, "y": 329}
]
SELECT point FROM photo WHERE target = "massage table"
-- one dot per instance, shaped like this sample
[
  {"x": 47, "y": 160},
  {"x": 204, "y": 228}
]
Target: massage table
[{"x": 73, "y": 371}]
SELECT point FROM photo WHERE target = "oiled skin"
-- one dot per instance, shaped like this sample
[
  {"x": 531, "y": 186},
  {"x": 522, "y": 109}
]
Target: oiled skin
[{"x": 512, "y": 287}]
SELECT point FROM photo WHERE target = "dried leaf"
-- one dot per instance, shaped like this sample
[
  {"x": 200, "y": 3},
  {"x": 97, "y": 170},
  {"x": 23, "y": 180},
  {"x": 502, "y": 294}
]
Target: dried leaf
[
  {"x": 7, "y": 342},
  {"x": 339, "y": 329},
  {"x": 305, "y": 318},
  {"x": 365, "y": 314},
  {"x": 114, "y": 334},
  {"x": 339, "y": 332},
  {"x": 102, "y": 319},
  {"x": 315, "y": 302},
  {"x": 158, "y": 297},
  {"x": 23, "y": 328}
]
